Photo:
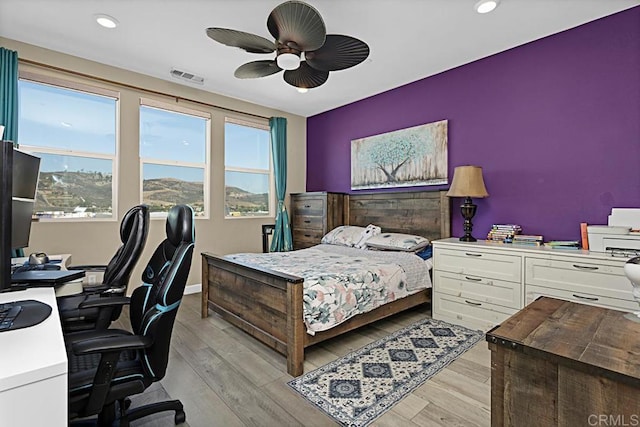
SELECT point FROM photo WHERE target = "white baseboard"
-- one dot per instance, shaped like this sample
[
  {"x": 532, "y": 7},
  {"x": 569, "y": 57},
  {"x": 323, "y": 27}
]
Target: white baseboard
[{"x": 193, "y": 289}]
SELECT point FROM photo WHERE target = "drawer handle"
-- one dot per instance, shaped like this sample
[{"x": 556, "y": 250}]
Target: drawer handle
[
  {"x": 307, "y": 206},
  {"x": 474, "y": 279},
  {"x": 469, "y": 254},
  {"x": 472, "y": 303},
  {"x": 584, "y": 267},
  {"x": 307, "y": 235},
  {"x": 587, "y": 298},
  {"x": 306, "y": 221}
]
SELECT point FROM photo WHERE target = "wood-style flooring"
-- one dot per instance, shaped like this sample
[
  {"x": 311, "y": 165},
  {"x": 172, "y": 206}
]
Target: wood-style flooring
[{"x": 226, "y": 378}]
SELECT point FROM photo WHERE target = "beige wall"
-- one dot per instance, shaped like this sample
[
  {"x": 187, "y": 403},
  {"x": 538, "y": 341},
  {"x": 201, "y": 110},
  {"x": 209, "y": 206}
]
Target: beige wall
[{"x": 95, "y": 242}]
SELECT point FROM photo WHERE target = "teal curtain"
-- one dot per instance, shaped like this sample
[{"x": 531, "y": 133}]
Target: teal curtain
[
  {"x": 9, "y": 94},
  {"x": 282, "y": 240}
]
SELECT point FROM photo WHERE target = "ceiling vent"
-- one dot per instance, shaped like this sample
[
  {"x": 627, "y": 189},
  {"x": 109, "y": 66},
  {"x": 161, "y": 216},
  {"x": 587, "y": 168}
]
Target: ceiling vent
[{"x": 185, "y": 75}]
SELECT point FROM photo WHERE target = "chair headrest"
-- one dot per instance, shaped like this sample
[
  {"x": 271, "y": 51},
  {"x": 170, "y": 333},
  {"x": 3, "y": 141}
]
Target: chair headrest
[
  {"x": 180, "y": 225},
  {"x": 136, "y": 214}
]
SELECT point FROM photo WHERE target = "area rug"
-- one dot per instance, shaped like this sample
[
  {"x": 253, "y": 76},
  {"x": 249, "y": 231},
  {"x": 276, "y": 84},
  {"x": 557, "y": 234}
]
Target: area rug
[{"x": 359, "y": 387}]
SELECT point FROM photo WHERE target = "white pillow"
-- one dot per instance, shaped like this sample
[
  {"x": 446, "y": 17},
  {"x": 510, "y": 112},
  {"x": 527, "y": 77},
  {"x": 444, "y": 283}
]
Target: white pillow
[
  {"x": 398, "y": 242},
  {"x": 351, "y": 235},
  {"x": 344, "y": 235}
]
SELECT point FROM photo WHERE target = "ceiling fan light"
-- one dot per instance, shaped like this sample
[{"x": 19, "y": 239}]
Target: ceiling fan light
[
  {"x": 486, "y": 6},
  {"x": 288, "y": 61},
  {"x": 302, "y": 90}
]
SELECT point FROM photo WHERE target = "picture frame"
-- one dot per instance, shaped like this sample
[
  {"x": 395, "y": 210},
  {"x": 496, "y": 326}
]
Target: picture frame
[{"x": 414, "y": 156}]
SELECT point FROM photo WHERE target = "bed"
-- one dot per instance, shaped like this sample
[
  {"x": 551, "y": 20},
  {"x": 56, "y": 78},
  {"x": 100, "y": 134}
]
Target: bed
[{"x": 268, "y": 304}]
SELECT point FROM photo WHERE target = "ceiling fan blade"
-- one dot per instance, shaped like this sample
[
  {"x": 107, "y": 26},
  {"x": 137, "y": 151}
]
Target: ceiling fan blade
[
  {"x": 337, "y": 53},
  {"x": 255, "y": 69},
  {"x": 297, "y": 25},
  {"x": 305, "y": 76},
  {"x": 250, "y": 42}
]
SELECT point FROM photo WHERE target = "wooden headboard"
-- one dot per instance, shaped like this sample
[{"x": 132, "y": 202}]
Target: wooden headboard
[{"x": 425, "y": 213}]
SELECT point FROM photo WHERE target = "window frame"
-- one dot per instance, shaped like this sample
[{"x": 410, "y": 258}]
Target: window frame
[
  {"x": 92, "y": 90},
  {"x": 262, "y": 125},
  {"x": 172, "y": 108}
]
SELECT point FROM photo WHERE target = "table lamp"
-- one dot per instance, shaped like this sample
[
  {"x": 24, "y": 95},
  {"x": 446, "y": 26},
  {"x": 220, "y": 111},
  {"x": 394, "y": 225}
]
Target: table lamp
[{"x": 467, "y": 183}]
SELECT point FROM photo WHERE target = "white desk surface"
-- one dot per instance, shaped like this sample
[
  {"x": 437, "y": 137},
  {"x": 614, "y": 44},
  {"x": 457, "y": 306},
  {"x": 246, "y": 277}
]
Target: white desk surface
[{"x": 36, "y": 353}]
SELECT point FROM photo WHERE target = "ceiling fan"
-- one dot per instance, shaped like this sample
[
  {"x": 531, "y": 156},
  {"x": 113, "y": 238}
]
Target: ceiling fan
[{"x": 303, "y": 48}]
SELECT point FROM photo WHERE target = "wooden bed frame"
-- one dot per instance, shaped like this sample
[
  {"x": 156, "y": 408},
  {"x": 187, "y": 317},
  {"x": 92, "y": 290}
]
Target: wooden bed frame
[{"x": 268, "y": 304}]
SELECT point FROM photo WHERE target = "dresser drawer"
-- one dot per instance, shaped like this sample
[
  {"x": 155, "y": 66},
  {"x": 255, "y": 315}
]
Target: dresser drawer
[
  {"x": 468, "y": 312},
  {"x": 533, "y": 292},
  {"x": 304, "y": 238},
  {"x": 507, "y": 294},
  {"x": 479, "y": 263},
  {"x": 308, "y": 206},
  {"x": 580, "y": 276},
  {"x": 308, "y": 222}
]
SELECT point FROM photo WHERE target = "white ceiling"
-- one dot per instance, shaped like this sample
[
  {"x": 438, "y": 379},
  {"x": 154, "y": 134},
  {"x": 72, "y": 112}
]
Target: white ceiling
[{"x": 409, "y": 39}]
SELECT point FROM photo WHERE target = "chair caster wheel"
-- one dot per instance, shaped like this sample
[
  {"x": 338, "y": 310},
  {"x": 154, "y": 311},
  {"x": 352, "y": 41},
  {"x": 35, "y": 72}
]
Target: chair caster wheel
[{"x": 180, "y": 417}]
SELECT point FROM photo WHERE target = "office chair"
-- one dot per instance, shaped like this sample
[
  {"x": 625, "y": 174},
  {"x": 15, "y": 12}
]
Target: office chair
[
  {"x": 73, "y": 313},
  {"x": 108, "y": 366}
]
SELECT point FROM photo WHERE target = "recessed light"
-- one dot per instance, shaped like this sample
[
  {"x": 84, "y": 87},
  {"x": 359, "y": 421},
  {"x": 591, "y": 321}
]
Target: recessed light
[
  {"x": 486, "y": 6},
  {"x": 303, "y": 90},
  {"x": 106, "y": 21}
]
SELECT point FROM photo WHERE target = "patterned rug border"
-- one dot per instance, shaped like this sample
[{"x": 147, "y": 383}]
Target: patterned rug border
[{"x": 372, "y": 413}]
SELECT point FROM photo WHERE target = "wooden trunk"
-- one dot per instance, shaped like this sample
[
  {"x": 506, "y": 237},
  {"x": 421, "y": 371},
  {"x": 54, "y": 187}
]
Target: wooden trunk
[{"x": 558, "y": 363}]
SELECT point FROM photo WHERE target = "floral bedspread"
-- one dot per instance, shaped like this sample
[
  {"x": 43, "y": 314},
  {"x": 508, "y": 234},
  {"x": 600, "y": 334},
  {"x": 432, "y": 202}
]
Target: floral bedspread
[{"x": 341, "y": 282}]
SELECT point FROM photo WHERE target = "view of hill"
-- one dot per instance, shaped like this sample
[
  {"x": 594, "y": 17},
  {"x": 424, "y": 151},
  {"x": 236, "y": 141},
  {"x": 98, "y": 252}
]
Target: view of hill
[
  {"x": 160, "y": 194},
  {"x": 243, "y": 202},
  {"x": 66, "y": 191}
]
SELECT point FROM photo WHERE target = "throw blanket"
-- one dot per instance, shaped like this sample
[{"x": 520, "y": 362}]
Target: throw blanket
[{"x": 341, "y": 282}]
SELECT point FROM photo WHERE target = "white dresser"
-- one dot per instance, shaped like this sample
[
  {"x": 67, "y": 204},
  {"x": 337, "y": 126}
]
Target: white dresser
[{"x": 480, "y": 284}]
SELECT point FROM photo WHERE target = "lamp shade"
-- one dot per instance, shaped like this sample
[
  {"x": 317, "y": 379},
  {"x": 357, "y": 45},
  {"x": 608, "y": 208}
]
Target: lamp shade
[{"x": 467, "y": 182}]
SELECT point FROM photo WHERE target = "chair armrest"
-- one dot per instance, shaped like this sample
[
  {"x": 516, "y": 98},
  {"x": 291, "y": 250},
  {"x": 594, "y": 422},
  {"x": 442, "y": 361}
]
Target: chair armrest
[
  {"x": 88, "y": 267},
  {"x": 111, "y": 343},
  {"x": 109, "y": 347},
  {"x": 105, "y": 302},
  {"x": 98, "y": 289},
  {"x": 73, "y": 337}
]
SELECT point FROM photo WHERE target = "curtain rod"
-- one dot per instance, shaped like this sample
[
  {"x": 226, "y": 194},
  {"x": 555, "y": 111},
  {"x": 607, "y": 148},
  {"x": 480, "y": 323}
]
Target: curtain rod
[{"x": 129, "y": 86}]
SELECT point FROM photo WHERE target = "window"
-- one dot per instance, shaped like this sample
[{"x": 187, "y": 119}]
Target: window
[
  {"x": 247, "y": 169},
  {"x": 173, "y": 151},
  {"x": 72, "y": 128}
]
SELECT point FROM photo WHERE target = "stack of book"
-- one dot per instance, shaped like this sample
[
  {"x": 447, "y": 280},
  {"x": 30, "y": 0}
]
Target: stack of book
[
  {"x": 527, "y": 239},
  {"x": 563, "y": 244},
  {"x": 503, "y": 232}
]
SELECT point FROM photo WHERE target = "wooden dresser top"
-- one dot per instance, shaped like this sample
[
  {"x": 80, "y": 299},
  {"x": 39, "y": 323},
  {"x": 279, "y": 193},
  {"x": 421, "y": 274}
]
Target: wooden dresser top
[{"x": 578, "y": 335}]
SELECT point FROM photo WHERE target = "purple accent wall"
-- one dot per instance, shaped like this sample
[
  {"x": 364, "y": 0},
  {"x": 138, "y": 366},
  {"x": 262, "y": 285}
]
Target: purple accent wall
[{"x": 555, "y": 125}]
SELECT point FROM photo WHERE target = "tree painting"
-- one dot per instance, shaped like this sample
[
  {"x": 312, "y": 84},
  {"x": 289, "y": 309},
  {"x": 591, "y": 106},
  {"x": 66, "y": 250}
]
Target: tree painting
[{"x": 403, "y": 158}]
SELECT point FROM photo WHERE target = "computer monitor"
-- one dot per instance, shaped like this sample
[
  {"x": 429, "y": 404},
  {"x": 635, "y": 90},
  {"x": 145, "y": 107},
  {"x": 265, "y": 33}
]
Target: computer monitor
[
  {"x": 19, "y": 173},
  {"x": 26, "y": 168},
  {"x": 21, "y": 214}
]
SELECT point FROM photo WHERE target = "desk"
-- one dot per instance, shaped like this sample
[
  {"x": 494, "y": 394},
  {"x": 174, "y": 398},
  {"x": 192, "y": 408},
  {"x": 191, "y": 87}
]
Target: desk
[
  {"x": 33, "y": 368},
  {"x": 559, "y": 363}
]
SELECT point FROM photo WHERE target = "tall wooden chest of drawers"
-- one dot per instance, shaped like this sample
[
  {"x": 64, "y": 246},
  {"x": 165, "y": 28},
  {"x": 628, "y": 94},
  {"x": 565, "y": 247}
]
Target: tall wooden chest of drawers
[{"x": 313, "y": 215}]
